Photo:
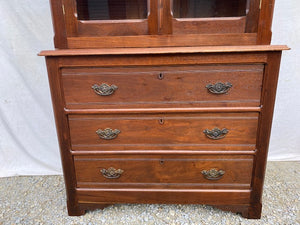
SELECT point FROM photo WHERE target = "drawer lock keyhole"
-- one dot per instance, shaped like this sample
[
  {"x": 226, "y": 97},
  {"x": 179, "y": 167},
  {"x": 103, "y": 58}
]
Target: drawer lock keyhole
[
  {"x": 161, "y": 121},
  {"x": 161, "y": 162},
  {"x": 160, "y": 76}
]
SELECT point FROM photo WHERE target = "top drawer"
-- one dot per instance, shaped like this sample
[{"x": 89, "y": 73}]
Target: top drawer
[{"x": 177, "y": 86}]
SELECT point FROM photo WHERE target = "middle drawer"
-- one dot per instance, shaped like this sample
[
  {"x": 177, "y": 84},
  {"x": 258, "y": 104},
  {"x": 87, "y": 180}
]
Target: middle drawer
[{"x": 193, "y": 131}]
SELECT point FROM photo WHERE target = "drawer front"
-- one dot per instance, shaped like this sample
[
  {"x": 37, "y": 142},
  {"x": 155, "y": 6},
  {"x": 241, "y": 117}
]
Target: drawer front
[
  {"x": 159, "y": 171},
  {"x": 163, "y": 131},
  {"x": 140, "y": 87}
]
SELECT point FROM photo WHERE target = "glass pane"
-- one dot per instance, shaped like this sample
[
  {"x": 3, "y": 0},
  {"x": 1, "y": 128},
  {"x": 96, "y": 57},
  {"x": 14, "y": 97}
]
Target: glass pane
[
  {"x": 111, "y": 9},
  {"x": 209, "y": 8}
]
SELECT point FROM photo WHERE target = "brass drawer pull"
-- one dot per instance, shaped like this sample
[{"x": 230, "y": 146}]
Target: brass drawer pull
[
  {"x": 219, "y": 88},
  {"x": 112, "y": 173},
  {"x": 108, "y": 134},
  {"x": 104, "y": 89},
  {"x": 213, "y": 174},
  {"x": 216, "y": 133}
]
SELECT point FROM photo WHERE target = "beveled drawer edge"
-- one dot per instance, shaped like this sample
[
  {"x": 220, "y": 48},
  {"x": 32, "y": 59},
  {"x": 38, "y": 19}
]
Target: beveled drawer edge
[
  {"x": 163, "y": 190},
  {"x": 162, "y": 110},
  {"x": 158, "y": 152},
  {"x": 183, "y": 196},
  {"x": 143, "y": 185}
]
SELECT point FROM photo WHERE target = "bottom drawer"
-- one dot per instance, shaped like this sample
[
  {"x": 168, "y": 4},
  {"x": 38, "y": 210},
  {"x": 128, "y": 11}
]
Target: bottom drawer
[
  {"x": 164, "y": 171},
  {"x": 163, "y": 196}
]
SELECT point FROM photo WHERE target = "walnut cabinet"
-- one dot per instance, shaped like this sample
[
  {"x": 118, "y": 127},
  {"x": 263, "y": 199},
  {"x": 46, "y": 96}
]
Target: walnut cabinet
[{"x": 163, "y": 101}]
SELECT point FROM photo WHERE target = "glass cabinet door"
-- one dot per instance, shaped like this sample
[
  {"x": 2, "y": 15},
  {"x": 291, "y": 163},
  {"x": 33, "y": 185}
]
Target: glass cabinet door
[
  {"x": 209, "y": 8},
  {"x": 155, "y": 23},
  {"x": 213, "y": 16},
  {"x": 111, "y": 9},
  {"x": 96, "y": 18}
]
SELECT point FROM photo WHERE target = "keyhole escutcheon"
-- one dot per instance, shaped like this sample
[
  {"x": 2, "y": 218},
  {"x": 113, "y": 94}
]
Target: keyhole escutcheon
[
  {"x": 160, "y": 76},
  {"x": 161, "y": 121}
]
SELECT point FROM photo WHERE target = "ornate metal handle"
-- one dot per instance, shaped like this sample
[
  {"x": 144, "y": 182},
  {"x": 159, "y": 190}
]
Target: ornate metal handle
[
  {"x": 104, "y": 89},
  {"x": 213, "y": 174},
  {"x": 112, "y": 173},
  {"x": 216, "y": 133},
  {"x": 219, "y": 88},
  {"x": 108, "y": 134}
]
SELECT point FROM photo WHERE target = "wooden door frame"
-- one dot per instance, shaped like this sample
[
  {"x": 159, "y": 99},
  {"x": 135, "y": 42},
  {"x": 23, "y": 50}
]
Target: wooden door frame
[{"x": 66, "y": 26}]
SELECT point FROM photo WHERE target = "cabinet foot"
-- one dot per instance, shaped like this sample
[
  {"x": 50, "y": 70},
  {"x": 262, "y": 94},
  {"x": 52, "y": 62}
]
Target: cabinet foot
[
  {"x": 75, "y": 211},
  {"x": 83, "y": 207},
  {"x": 254, "y": 211},
  {"x": 249, "y": 212}
]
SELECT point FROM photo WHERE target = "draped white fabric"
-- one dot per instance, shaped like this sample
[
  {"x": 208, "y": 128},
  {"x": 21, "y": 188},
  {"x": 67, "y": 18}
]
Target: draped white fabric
[{"x": 28, "y": 142}]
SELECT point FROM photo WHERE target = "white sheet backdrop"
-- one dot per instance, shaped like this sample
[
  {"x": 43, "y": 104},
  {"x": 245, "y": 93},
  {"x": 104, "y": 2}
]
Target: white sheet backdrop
[{"x": 28, "y": 143}]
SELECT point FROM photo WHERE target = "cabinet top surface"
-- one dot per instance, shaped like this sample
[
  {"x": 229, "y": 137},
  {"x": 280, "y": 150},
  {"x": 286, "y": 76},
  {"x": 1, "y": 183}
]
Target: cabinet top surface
[{"x": 166, "y": 50}]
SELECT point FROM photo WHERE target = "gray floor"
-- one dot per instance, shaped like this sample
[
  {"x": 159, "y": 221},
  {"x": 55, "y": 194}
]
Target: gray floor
[{"x": 41, "y": 200}]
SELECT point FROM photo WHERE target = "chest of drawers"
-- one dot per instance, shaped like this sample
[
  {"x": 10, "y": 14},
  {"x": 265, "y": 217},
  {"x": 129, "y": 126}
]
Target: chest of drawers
[{"x": 169, "y": 125}]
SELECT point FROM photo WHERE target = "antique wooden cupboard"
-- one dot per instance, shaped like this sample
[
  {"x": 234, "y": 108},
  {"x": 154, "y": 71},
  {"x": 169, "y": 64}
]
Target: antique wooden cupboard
[{"x": 163, "y": 101}]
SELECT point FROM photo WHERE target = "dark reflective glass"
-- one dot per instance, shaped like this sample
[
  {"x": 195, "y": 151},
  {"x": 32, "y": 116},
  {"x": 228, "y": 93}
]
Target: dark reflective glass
[
  {"x": 209, "y": 8},
  {"x": 111, "y": 9}
]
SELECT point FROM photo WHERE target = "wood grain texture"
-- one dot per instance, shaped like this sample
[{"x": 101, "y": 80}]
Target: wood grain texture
[
  {"x": 253, "y": 17},
  {"x": 162, "y": 110},
  {"x": 153, "y": 17},
  {"x": 164, "y": 171},
  {"x": 147, "y": 41},
  {"x": 70, "y": 32},
  {"x": 165, "y": 138},
  {"x": 60, "y": 35},
  {"x": 107, "y": 28},
  {"x": 214, "y": 25},
  {"x": 176, "y": 129},
  {"x": 120, "y": 27},
  {"x": 177, "y": 86},
  {"x": 70, "y": 19},
  {"x": 63, "y": 136},
  {"x": 164, "y": 50},
  {"x": 264, "y": 131},
  {"x": 210, "y": 150},
  {"x": 163, "y": 196},
  {"x": 264, "y": 33},
  {"x": 161, "y": 66},
  {"x": 164, "y": 17}
]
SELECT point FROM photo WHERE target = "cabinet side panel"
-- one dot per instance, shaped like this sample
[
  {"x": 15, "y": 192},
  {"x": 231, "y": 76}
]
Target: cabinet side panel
[
  {"x": 63, "y": 134},
  {"x": 265, "y": 123}
]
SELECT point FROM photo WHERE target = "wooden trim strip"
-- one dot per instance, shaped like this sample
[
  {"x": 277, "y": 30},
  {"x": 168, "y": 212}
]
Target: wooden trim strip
[
  {"x": 162, "y": 190},
  {"x": 159, "y": 152},
  {"x": 162, "y": 40},
  {"x": 213, "y": 25},
  {"x": 163, "y": 60},
  {"x": 252, "y": 17},
  {"x": 165, "y": 196},
  {"x": 60, "y": 35},
  {"x": 165, "y": 50},
  {"x": 264, "y": 33},
  {"x": 162, "y": 110},
  {"x": 209, "y": 19},
  {"x": 157, "y": 185}
]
